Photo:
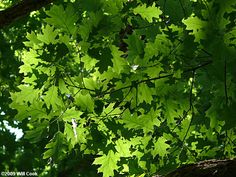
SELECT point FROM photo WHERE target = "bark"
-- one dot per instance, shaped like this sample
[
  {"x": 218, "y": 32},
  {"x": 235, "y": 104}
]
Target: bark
[
  {"x": 208, "y": 168},
  {"x": 20, "y": 10}
]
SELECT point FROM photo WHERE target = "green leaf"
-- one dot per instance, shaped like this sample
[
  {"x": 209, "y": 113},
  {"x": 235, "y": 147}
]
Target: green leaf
[
  {"x": 37, "y": 111},
  {"x": 154, "y": 71},
  {"x": 143, "y": 122},
  {"x": 108, "y": 163},
  {"x": 71, "y": 114},
  {"x": 31, "y": 57},
  {"x": 144, "y": 93},
  {"x": 177, "y": 10},
  {"x": 91, "y": 83},
  {"x": 230, "y": 37},
  {"x": 89, "y": 63},
  {"x": 48, "y": 36},
  {"x": 56, "y": 148},
  {"x": 63, "y": 87},
  {"x": 70, "y": 135},
  {"x": 148, "y": 13},
  {"x": 103, "y": 54},
  {"x": 33, "y": 40},
  {"x": 63, "y": 18},
  {"x": 227, "y": 114},
  {"x": 87, "y": 25},
  {"x": 160, "y": 147},
  {"x": 178, "y": 73},
  {"x": 52, "y": 98},
  {"x": 82, "y": 134},
  {"x": 85, "y": 102},
  {"x": 197, "y": 26},
  {"x": 27, "y": 94},
  {"x": 36, "y": 134},
  {"x": 113, "y": 7},
  {"x": 123, "y": 148},
  {"x": 135, "y": 47},
  {"x": 161, "y": 46},
  {"x": 76, "y": 133},
  {"x": 119, "y": 63},
  {"x": 34, "y": 111},
  {"x": 171, "y": 111}
]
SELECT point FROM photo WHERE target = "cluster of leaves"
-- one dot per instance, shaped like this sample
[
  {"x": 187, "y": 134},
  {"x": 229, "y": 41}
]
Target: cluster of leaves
[
  {"x": 166, "y": 99},
  {"x": 14, "y": 152}
]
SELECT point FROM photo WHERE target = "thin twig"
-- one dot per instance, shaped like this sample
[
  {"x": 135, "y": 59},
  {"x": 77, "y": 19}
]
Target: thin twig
[
  {"x": 190, "y": 105},
  {"x": 156, "y": 78},
  {"x": 225, "y": 83},
  {"x": 183, "y": 9}
]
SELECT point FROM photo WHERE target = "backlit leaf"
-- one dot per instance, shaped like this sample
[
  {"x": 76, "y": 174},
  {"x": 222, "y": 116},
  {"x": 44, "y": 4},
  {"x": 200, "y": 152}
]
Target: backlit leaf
[
  {"x": 108, "y": 163},
  {"x": 148, "y": 13}
]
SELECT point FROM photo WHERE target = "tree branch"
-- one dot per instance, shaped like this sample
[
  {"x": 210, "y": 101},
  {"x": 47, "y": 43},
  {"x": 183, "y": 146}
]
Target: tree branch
[
  {"x": 157, "y": 78},
  {"x": 20, "y": 10},
  {"x": 210, "y": 168}
]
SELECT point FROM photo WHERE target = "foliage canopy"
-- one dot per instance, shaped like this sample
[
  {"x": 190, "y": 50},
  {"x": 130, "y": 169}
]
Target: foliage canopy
[{"x": 136, "y": 87}]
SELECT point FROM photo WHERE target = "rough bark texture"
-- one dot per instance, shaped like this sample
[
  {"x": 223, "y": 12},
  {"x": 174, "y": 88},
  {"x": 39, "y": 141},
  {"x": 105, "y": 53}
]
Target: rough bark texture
[
  {"x": 20, "y": 10},
  {"x": 208, "y": 168}
]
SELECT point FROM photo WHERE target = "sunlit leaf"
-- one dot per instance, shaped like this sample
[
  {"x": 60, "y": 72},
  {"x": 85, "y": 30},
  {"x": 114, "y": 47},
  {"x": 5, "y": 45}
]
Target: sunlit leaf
[
  {"x": 148, "y": 13},
  {"x": 108, "y": 163}
]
